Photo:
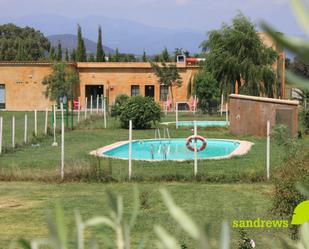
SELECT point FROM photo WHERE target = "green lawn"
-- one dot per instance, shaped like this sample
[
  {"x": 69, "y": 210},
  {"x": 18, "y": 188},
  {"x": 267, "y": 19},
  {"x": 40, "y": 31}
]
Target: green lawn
[
  {"x": 23, "y": 207},
  {"x": 43, "y": 160}
]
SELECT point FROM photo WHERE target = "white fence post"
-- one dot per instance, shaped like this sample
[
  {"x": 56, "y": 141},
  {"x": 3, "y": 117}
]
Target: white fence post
[
  {"x": 195, "y": 149},
  {"x": 104, "y": 113},
  {"x": 97, "y": 104},
  {"x": 91, "y": 104},
  {"x": 35, "y": 122},
  {"x": 46, "y": 120},
  {"x": 62, "y": 142},
  {"x": 226, "y": 113},
  {"x": 26, "y": 129},
  {"x": 268, "y": 151},
  {"x": 102, "y": 103},
  {"x": 78, "y": 111},
  {"x": 1, "y": 129},
  {"x": 221, "y": 106},
  {"x": 176, "y": 115},
  {"x": 86, "y": 106},
  {"x": 54, "y": 126},
  {"x": 130, "y": 149},
  {"x": 13, "y": 132}
]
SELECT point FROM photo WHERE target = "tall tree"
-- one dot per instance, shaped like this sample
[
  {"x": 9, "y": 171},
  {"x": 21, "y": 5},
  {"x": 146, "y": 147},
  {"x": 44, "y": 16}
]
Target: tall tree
[
  {"x": 238, "y": 59},
  {"x": 116, "y": 57},
  {"x": 73, "y": 55},
  {"x": 144, "y": 57},
  {"x": 81, "y": 49},
  {"x": 61, "y": 82},
  {"x": 168, "y": 76},
  {"x": 31, "y": 44},
  {"x": 66, "y": 55},
  {"x": 52, "y": 55},
  {"x": 59, "y": 52},
  {"x": 100, "y": 52},
  {"x": 165, "y": 57}
]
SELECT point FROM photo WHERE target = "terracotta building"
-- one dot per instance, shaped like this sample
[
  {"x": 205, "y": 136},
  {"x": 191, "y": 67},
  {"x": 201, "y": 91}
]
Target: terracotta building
[{"x": 21, "y": 82}]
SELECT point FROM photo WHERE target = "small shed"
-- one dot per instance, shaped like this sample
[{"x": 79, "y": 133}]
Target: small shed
[{"x": 249, "y": 114}]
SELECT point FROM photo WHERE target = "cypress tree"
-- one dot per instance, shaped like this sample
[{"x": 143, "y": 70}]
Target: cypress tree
[
  {"x": 116, "y": 56},
  {"x": 73, "y": 55},
  {"x": 81, "y": 50},
  {"x": 66, "y": 56},
  {"x": 52, "y": 55},
  {"x": 100, "y": 51},
  {"x": 165, "y": 57},
  {"x": 59, "y": 52},
  {"x": 144, "y": 58}
]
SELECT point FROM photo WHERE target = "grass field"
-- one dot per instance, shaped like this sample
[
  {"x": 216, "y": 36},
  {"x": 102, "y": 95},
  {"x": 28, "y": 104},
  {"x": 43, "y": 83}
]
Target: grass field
[
  {"x": 36, "y": 161},
  {"x": 23, "y": 207},
  {"x": 225, "y": 189}
]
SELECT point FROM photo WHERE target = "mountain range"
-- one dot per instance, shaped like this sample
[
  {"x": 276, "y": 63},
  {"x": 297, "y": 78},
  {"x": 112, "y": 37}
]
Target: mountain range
[
  {"x": 70, "y": 42},
  {"x": 126, "y": 35}
]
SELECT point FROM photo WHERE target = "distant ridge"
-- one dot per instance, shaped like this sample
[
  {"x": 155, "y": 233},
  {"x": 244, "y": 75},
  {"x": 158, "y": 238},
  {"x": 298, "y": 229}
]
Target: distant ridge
[{"x": 69, "y": 41}]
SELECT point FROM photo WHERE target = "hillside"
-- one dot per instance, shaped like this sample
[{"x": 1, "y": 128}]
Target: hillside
[{"x": 70, "y": 41}]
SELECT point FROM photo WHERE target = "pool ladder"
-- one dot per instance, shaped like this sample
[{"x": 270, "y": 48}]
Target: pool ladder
[{"x": 166, "y": 135}]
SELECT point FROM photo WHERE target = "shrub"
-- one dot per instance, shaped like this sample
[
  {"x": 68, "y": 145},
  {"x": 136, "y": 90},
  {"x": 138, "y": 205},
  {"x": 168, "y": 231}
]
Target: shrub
[
  {"x": 142, "y": 111},
  {"x": 306, "y": 121},
  {"x": 245, "y": 242},
  {"x": 117, "y": 106},
  {"x": 279, "y": 134}
]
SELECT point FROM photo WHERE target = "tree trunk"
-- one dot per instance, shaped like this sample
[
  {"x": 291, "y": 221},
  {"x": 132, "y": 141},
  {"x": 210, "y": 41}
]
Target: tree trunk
[{"x": 172, "y": 96}]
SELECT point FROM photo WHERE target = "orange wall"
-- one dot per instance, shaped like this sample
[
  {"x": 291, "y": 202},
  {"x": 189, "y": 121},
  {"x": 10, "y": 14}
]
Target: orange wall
[{"x": 23, "y": 87}]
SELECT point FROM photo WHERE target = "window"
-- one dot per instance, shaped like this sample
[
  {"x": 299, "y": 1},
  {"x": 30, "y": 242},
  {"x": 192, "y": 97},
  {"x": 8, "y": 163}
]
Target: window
[
  {"x": 134, "y": 90},
  {"x": 2, "y": 96},
  {"x": 163, "y": 93}
]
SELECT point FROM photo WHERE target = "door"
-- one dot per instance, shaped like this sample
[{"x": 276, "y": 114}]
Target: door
[
  {"x": 94, "y": 91},
  {"x": 2, "y": 96},
  {"x": 149, "y": 91}
]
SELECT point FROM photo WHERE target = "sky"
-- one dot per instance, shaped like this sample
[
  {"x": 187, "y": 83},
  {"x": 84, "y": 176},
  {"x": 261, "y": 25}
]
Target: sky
[{"x": 201, "y": 15}]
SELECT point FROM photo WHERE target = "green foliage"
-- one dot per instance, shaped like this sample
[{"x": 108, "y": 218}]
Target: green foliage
[
  {"x": 61, "y": 82},
  {"x": 52, "y": 55},
  {"x": 100, "y": 52},
  {"x": 279, "y": 133},
  {"x": 91, "y": 58},
  {"x": 26, "y": 44},
  {"x": 81, "y": 49},
  {"x": 73, "y": 55},
  {"x": 117, "y": 107},
  {"x": 244, "y": 242},
  {"x": 142, "y": 111},
  {"x": 235, "y": 53},
  {"x": 206, "y": 89},
  {"x": 306, "y": 120},
  {"x": 165, "y": 57},
  {"x": 66, "y": 55},
  {"x": 116, "y": 56},
  {"x": 168, "y": 75}
]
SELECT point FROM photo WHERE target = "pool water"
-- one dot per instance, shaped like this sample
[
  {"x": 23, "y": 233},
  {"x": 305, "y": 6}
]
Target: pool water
[
  {"x": 201, "y": 123},
  {"x": 174, "y": 149}
]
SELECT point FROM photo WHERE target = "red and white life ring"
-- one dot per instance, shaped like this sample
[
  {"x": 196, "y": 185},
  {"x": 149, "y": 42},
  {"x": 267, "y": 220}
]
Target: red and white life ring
[{"x": 197, "y": 137}]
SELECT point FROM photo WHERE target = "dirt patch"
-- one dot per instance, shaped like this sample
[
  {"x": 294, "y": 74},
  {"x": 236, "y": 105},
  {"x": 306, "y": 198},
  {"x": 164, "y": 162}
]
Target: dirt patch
[{"x": 17, "y": 204}]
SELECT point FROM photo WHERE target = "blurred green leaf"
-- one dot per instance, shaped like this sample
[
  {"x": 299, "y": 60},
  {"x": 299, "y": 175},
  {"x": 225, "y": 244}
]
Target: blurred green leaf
[
  {"x": 301, "y": 12},
  {"x": 297, "y": 81},
  {"x": 304, "y": 236},
  {"x": 180, "y": 216},
  {"x": 167, "y": 240},
  {"x": 25, "y": 244},
  {"x": 304, "y": 190},
  {"x": 136, "y": 206}
]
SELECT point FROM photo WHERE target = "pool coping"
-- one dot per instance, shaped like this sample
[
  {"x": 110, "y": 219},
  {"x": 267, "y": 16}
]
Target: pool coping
[
  {"x": 243, "y": 148},
  {"x": 205, "y": 121}
]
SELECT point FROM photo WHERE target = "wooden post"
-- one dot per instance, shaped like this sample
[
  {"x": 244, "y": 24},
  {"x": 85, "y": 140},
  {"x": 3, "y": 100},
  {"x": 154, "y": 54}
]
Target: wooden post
[
  {"x": 62, "y": 142},
  {"x": 176, "y": 115},
  {"x": 13, "y": 132},
  {"x": 46, "y": 120},
  {"x": 26, "y": 129},
  {"x": 35, "y": 123},
  {"x": 195, "y": 149},
  {"x": 78, "y": 111},
  {"x": 130, "y": 149},
  {"x": 268, "y": 151},
  {"x": 1, "y": 129}
]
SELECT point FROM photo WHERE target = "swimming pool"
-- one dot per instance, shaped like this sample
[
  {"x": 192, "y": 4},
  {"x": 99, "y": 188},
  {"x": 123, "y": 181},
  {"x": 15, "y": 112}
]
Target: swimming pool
[
  {"x": 200, "y": 123},
  {"x": 173, "y": 149}
]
